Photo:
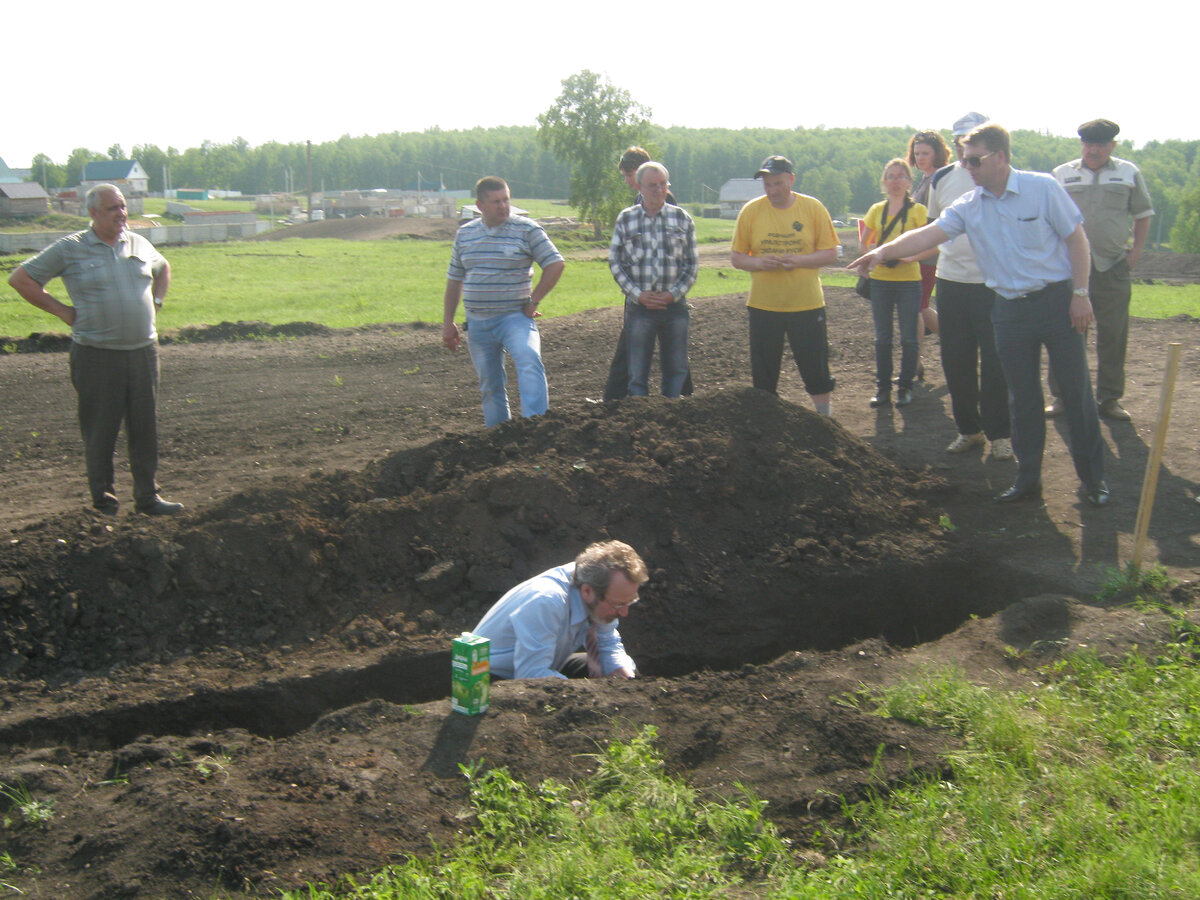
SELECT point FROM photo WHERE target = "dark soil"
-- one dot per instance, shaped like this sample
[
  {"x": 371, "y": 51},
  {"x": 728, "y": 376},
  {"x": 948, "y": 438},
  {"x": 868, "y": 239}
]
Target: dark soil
[{"x": 255, "y": 695}]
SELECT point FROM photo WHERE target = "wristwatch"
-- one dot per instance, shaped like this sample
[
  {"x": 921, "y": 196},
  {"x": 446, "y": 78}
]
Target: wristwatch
[{"x": 1081, "y": 292}]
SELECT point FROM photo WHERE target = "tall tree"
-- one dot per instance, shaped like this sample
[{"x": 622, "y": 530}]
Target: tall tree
[
  {"x": 77, "y": 163},
  {"x": 1185, "y": 235},
  {"x": 588, "y": 127},
  {"x": 47, "y": 174}
]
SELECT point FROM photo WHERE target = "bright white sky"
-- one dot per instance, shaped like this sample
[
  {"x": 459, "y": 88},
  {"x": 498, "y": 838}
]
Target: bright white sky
[{"x": 221, "y": 69}]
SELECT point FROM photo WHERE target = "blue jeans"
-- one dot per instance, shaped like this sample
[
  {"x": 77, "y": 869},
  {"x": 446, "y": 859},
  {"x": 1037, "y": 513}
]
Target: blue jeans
[
  {"x": 1023, "y": 326},
  {"x": 902, "y": 299},
  {"x": 670, "y": 327},
  {"x": 488, "y": 337}
]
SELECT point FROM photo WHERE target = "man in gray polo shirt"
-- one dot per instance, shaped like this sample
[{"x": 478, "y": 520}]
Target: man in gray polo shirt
[
  {"x": 116, "y": 282},
  {"x": 1113, "y": 197}
]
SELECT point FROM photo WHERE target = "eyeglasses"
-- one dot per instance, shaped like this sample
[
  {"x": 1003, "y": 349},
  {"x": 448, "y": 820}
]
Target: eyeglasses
[
  {"x": 976, "y": 161},
  {"x": 618, "y": 606}
]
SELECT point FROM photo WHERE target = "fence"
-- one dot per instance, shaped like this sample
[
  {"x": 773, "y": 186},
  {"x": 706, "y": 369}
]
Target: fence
[{"x": 159, "y": 235}]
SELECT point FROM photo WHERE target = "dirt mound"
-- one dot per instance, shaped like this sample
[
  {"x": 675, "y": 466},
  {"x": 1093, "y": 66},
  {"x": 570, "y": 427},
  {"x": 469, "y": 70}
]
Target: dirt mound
[
  {"x": 244, "y": 331},
  {"x": 1169, "y": 267},
  {"x": 761, "y": 510},
  {"x": 368, "y": 228}
]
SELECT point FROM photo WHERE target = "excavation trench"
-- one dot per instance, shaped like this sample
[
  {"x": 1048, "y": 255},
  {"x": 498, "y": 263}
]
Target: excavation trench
[{"x": 904, "y": 608}]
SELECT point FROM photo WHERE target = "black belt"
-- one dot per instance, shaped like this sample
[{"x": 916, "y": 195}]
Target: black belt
[{"x": 1041, "y": 292}]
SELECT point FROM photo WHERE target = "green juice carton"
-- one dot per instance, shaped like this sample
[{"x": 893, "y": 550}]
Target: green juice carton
[{"x": 470, "y": 674}]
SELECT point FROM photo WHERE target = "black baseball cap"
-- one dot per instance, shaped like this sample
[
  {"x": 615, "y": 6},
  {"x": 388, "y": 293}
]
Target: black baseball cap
[{"x": 775, "y": 165}]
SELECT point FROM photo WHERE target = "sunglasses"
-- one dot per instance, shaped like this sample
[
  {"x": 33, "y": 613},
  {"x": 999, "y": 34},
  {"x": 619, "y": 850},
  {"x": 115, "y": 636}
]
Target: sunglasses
[{"x": 976, "y": 161}]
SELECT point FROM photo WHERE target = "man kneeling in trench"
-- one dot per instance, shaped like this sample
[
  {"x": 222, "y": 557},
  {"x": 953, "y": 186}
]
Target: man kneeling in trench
[{"x": 538, "y": 627}]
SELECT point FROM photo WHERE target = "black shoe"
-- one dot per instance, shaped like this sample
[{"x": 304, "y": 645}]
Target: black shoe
[
  {"x": 904, "y": 397},
  {"x": 881, "y": 398},
  {"x": 1098, "y": 496},
  {"x": 1016, "y": 494},
  {"x": 160, "y": 507},
  {"x": 107, "y": 504}
]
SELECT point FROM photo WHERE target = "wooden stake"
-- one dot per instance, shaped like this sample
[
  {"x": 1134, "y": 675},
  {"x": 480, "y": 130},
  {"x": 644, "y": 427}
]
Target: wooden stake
[{"x": 1150, "y": 482}]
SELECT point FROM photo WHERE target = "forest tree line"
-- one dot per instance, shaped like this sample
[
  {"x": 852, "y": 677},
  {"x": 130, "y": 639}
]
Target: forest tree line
[{"x": 840, "y": 166}]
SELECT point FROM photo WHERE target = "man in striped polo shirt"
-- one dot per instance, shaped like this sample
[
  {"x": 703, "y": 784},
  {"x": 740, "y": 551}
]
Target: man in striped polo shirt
[{"x": 491, "y": 272}]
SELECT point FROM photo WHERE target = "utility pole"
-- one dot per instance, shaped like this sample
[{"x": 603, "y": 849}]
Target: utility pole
[{"x": 308, "y": 159}]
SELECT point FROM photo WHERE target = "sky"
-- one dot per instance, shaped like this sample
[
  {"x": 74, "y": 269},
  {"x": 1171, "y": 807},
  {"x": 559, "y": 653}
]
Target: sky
[{"x": 178, "y": 74}]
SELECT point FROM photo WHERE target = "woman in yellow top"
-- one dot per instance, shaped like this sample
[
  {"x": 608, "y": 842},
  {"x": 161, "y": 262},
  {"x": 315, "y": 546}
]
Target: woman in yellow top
[
  {"x": 896, "y": 285},
  {"x": 928, "y": 152}
]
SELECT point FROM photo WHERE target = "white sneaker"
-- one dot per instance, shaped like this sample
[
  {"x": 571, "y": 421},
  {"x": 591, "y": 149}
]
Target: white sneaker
[
  {"x": 965, "y": 442},
  {"x": 1002, "y": 449}
]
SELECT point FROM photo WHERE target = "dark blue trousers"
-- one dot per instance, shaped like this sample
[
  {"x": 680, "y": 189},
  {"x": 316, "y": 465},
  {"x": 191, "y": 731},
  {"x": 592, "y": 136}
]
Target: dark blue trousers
[{"x": 1023, "y": 327}]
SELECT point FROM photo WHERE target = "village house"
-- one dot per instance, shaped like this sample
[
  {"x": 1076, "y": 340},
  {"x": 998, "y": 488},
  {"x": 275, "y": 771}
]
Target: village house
[
  {"x": 127, "y": 174},
  {"x": 23, "y": 198}
]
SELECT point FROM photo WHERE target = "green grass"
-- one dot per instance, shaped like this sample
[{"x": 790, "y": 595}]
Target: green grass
[
  {"x": 1163, "y": 301},
  {"x": 629, "y": 831},
  {"x": 158, "y": 205},
  {"x": 349, "y": 283},
  {"x": 29, "y": 811},
  {"x": 337, "y": 283},
  {"x": 1087, "y": 787}
]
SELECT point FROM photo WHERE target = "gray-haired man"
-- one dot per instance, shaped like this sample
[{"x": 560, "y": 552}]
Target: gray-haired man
[{"x": 116, "y": 281}]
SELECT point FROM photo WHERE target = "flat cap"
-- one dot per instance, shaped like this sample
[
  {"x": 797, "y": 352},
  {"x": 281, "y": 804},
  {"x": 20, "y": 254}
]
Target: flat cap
[
  {"x": 1099, "y": 131},
  {"x": 775, "y": 165},
  {"x": 968, "y": 123}
]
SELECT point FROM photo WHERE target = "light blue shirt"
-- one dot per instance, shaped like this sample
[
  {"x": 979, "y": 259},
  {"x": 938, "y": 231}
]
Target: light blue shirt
[
  {"x": 1020, "y": 237},
  {"x": 539, "y": 623}
]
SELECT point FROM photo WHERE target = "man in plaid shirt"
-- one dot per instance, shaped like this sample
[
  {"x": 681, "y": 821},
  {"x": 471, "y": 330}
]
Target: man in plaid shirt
[{"x": 653, "y": 259}]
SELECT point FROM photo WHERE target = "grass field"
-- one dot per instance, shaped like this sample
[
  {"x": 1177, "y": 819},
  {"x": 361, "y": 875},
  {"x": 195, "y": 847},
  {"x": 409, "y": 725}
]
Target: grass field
[
  {"x": 158, "y": 205},
  {"x": 350, "y": 283}
]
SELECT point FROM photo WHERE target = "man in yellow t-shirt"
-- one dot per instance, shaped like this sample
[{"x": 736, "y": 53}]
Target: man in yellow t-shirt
[{"x": 782, "y": 239}]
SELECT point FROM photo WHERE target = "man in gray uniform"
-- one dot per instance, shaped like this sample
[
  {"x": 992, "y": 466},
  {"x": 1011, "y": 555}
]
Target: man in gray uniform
[
  {"x": 116, "y": 281},
  {"x": 1112, "y": 195}
]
